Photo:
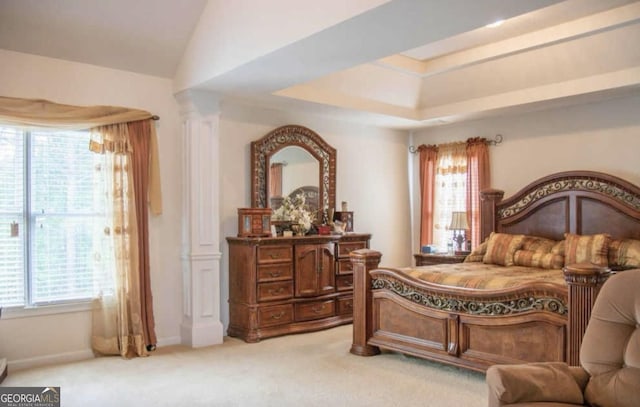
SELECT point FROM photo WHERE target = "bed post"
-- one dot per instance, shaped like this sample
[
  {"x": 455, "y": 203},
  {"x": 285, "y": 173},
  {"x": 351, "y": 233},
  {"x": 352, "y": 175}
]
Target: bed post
[
  {"x": 489, "y": 198},
  {"x": 585, "y": 281},
  {"x": 363, "y": 260}
]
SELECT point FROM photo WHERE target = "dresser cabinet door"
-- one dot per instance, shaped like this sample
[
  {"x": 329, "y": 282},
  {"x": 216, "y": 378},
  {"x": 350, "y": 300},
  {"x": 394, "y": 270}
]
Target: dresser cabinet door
[{"x": 314, "y": 270}]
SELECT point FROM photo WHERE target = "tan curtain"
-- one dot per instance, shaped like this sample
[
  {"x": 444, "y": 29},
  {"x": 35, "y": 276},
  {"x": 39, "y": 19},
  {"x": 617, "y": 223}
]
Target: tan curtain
[
  {"x": 140, "y": 137},
  {"x": 275, "y": 179},
  {"x": 450, "y": 190},
  {"x": 117, "y": 317},
  {"x": 428, "y": 161},
  {"x": 478, "y": 178}
]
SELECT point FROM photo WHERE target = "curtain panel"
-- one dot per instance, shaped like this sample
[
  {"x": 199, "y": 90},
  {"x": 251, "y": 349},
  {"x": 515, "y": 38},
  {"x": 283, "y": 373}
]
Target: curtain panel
[
  {"x": 428, "y": 161},
  {"x": 478, "y": 178}
]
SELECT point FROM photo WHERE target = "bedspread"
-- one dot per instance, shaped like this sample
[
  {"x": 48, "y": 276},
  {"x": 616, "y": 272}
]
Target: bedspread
[{"x": 482, "y": 276}]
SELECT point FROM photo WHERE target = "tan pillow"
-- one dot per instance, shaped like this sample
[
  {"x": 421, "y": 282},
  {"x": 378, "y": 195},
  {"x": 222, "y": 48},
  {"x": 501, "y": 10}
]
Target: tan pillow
[
  {"x": 529, "y": 258},
  {"x": 501, "y": 248},
  {"x": 558, "y": 248},
  {"x": 624, "y": 253},
  {"x": 538, "y": 244},
  {"x": 587, "y": 248},
  {"x": 534, "y": 382},
  {"x": 477, "y": 254}
]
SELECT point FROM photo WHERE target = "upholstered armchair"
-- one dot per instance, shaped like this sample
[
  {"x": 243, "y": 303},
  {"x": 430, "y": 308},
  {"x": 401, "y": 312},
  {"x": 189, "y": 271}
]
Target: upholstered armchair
[{"x": 609, "y": 375}]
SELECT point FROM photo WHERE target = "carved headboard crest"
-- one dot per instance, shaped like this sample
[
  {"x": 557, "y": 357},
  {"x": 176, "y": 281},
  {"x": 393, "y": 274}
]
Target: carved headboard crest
[{"x": 612, "y": 188}]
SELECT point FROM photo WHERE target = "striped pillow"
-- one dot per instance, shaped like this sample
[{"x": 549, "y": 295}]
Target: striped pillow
[
  {"x": 538, "y": 244},
  {"x": 477, "y": 254},
  {"x": 529, "y": 258},
  {"x": 501, "y": 248},
  {"x": 587, "y": 248},
  {"x": 624, "y": 253}
]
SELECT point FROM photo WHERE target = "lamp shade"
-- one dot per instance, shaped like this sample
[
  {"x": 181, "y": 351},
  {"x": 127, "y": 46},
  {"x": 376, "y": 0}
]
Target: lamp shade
[{"x": 458, "y": 221}]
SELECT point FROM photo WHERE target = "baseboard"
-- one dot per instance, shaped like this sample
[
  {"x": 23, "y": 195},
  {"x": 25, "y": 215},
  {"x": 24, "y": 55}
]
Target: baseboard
[
  {"x": 54, "y": 359},
  {"x": 59, "y": 358},
  {"x": 168, "y": 341}
]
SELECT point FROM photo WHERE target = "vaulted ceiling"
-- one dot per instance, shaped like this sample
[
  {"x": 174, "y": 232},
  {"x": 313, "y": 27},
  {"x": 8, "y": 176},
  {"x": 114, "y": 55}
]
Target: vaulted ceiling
[{"x": 400, "y": 63}]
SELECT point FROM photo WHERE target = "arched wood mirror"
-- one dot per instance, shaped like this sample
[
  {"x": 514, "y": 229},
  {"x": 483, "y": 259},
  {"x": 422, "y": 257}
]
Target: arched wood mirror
[{"x": 290, "y": 160}]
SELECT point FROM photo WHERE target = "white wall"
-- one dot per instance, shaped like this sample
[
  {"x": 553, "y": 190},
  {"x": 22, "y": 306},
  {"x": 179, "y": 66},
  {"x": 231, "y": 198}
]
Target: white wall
[
  {"x": 599, "y": 136},
  {"x": 41, "y": 339},
  {"x": 371, "y": 176}
]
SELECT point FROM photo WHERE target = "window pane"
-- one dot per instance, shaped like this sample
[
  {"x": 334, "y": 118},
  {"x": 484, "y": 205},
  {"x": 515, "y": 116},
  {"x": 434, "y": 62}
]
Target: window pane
[
  {"x": 12, "y": 231},
  {"x": 66, "y": 207}
]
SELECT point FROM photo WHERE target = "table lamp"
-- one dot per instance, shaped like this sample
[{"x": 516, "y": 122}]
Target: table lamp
[{"x": 459, "y": 226}]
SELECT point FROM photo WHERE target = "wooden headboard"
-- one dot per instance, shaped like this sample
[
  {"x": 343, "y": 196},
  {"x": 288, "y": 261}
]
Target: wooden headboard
[{"x": 580, "y": 202}]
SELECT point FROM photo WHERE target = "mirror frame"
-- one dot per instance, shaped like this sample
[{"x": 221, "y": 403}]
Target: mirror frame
[{"x": 300, "y": 136}]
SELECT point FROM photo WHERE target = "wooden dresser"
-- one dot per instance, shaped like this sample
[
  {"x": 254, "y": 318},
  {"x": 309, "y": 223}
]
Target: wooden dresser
[{"x": 285, "y": 285}]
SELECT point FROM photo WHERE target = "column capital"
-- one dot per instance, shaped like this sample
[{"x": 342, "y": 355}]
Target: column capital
[{"x": 198, "y": 102}]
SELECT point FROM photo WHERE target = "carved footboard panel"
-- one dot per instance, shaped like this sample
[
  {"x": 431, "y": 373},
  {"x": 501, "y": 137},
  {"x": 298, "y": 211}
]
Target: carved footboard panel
[
  {"x": 468, "y": 341},
  {"x": 466, "y": 330}
]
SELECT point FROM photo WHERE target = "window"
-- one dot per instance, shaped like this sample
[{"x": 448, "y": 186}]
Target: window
[{"x": 51, "y": 214}]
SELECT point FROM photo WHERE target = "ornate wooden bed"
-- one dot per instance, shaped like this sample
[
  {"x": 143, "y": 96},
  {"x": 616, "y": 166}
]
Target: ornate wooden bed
[{"x": 475, "y": 329}]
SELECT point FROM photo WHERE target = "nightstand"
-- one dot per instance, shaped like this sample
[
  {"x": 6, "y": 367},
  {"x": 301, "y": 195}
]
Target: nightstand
[{"x": 426, "y": 259}]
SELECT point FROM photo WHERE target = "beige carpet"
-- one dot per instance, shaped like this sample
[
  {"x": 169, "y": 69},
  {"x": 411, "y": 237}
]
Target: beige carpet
[{"x": 313, "y": 369}]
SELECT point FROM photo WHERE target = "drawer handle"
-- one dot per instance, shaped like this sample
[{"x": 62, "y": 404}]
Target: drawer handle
[
  {"x": 318, "y": 310},
  {"x": 277, "y": 316},
  {"x": 278, "y": 291},
  {"x": 349, "y": 305},
  {"x": 348, "y": 283},
  {"x": 274, "y": 255},
  {"x": 275, "y": 273}
]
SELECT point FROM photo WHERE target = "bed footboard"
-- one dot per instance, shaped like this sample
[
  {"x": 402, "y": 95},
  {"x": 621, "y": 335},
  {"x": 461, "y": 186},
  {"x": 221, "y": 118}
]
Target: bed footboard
[{"x": 384, "y": 319}]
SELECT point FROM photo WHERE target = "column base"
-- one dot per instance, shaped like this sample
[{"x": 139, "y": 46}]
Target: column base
[{"x": 202, "y": 334}]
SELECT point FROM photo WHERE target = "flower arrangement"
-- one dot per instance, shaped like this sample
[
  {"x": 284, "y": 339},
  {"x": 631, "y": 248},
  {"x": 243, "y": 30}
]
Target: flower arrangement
[{"x": 296, "y": 211}]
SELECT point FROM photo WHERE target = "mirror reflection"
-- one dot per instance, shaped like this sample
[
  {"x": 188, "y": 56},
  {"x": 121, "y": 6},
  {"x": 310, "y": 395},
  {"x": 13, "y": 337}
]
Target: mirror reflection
[{"x": 292, "y": 171}]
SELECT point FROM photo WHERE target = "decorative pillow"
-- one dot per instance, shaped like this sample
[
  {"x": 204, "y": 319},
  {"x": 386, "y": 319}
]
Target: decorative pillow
[
  {"x": 624, "y": 253},
  {"x": 558, "y": 248},
  {"x": 587, "y": 248},
  {"x": 529, "y": 258},
  {"x": 477, "y": 254},
  {"x": 501, "y": 247},
  {"x": 538, "y": 244}
]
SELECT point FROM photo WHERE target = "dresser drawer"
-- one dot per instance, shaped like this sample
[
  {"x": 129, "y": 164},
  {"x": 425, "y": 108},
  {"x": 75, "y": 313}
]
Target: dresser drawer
[
  {"x": 275, "y": 254},
  {"x": 314, "y": 310},
  {"x": 276, "y": 315},
  {"x": 347, "y": 247},
  {"x": 275, "y": 291},
  {"x": 275, "y": 272},
  {"x": 345, "y": 306},
  {"x": 344, "y": 282},
  {"x": 345, "y": 266}
]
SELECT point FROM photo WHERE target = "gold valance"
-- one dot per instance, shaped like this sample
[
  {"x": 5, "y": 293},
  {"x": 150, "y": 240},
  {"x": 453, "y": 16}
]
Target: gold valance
[{"x": 43, "y": 113}]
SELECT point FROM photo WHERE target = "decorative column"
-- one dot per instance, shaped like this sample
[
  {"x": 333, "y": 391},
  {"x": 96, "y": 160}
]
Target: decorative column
[
  {"x": 585, "y": 281},
  {"x": 201, "y": 325}
]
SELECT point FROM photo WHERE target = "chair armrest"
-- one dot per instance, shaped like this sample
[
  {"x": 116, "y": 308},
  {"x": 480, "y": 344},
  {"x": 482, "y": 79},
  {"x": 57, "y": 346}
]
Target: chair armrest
[{"x": 535, "y": 382}]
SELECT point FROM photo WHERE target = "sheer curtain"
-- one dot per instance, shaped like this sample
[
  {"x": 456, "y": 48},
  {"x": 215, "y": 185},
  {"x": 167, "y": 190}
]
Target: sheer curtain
[
  {"x": 478, "y": 178},
  {"x": 450, "y": 190},
  {"x": 428, "y": 162},
  {"x": 117, "y": 317}
]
